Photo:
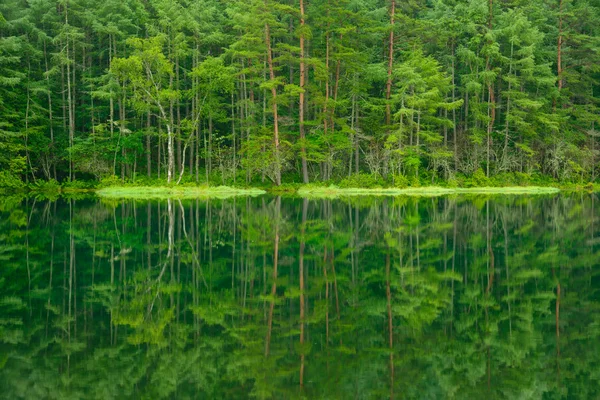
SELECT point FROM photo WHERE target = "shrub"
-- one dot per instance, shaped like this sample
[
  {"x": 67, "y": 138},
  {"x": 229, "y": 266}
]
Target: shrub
[
  {"x": 366, "y": 181},
  {"x": 79, "y": 185},
  {"x": 10, "y": 181},
  {"x": 111, "y": 180},
  {"x": 400, "y": 181},
  {"x": 51, "y": 186},
  {"x": 452, "y": 183},
  {"x": 478, "y": 179}
]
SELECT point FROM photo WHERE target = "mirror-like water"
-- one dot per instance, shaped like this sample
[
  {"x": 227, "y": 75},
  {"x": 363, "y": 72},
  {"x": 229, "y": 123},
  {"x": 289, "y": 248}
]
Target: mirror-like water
[{"x": 467, "y": 297}]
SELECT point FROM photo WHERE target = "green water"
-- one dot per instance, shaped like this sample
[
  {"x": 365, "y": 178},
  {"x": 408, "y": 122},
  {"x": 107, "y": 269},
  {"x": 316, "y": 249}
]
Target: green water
[{"x": 367, "y": 298}]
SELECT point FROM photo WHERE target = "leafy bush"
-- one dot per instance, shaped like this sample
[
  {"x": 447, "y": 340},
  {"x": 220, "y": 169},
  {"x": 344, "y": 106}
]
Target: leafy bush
[
  {"x": 51, "y": 186},
  {"x": 400, "y": 181},
  {"x": 79, "y": 185},
  {"x": 478, "y": 179},
  {"x": 452, "y": 183},
  {"x": 110, "y": 181},
  {"x": 366, "y": 181},
  {"x": 10, "y": 181},
  {"x": 415, "y": 182}
]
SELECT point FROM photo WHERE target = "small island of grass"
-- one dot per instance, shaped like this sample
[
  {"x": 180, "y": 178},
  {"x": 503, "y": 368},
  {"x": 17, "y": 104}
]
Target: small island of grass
[
  {"x": 177, "y": 192},
  {"x": 334, "y": 191}
]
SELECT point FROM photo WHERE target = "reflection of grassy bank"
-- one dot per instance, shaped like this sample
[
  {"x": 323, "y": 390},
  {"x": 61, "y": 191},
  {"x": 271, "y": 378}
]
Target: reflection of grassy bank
[
  {"x": 180, "y": 192},
  {"x": 333, "y": 191}
]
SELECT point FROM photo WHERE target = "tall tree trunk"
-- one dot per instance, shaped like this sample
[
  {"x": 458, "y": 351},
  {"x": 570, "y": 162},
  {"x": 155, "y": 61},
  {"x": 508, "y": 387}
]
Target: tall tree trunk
[
  {"x": 50, "y": 120},
  {"x": 301, "y": 105},
  {"x": 388, "y": 90},
  {"x": 491, "y": 97},
  {"x": 148, "y": 147},
  {"x": 454, "y": 138},
  {"x": 274, "y": 95},
  {"x": 559, "y": 64},
  {"x": 69, "y": 97},
  {"x": 507, "y": 124}
]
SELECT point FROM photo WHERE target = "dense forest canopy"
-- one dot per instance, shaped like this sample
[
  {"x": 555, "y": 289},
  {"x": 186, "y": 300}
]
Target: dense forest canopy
[{"x": 241, "y": 91}]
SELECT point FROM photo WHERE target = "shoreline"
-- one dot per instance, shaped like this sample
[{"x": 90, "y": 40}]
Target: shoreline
[
  {"x": 178, "y": 192},
  {"x": 140, "y": 192},
  {"x": 223, "y": 192},
  {"x": 426, "y": 191}
]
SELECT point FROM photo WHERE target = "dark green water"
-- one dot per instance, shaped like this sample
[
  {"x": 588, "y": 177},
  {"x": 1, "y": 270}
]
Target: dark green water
[{"x": 371, "y": 298}]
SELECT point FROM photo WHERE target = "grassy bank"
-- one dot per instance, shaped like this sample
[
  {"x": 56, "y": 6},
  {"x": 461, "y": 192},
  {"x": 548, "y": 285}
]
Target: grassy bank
[
  {"x": 178, "y": 192},
  {"x": 354, "y": 185},
  {"x": 334, "y": 191}
]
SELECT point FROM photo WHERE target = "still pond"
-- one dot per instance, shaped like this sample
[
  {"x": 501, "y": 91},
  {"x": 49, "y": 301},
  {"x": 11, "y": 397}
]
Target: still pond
[{"x": 284, "y": 297}]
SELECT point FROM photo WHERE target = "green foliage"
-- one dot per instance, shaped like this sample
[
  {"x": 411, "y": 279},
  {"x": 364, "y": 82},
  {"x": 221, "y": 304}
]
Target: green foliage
[
  {"x": 10, "y": 181},
  {"x": 478, "y": 179},
  {"x": 47, "y": 187},
  {"x": 368, "y": 181},
  {"x": 185, "y": 89},
  {"x": 109, "y": 181},
  {"x": 400, "y": 181},
  {"x": 79, "y": 185}
]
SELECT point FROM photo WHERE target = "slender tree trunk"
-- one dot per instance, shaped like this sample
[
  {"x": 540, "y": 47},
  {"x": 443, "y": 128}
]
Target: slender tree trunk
[
  {"x": 69, "y": 97},
  {"x": 302, "y": 102},
  {"x": 491, "y": 97},
  {"x": 178, "y": 112},
  {"x": 27, "y": 110},
  {"x": 455, "y": 137},
  {"x": 559, "y": 64},
  {"x": 274, "y": 95},
  {"x": 51, "y": 154},
  {"x": 506, "y": 127},
  {"x": 388, "y": 90},
  {"x": 148, "y": 147}
]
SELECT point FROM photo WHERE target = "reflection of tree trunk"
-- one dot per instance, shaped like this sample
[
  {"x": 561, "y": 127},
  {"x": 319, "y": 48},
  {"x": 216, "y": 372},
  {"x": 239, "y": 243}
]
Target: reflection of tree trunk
[
  {"x": 557, "y": 322},
  {"x": 326, "y": 304},
  {"x": 335, "y": 288},
  {"x": 195, "y": 257},
  {"x": 169, "y": 258},
  {"x": 274, "y": 286},
  {"x": 507, "y": 277},
  {"x": 302, "y": 246},
  {"x": 388, "y": 293},
  {"x": 489, "y": 250},
  {"x": 50, "y": 280},
  {"x": 453, "y": 267}
]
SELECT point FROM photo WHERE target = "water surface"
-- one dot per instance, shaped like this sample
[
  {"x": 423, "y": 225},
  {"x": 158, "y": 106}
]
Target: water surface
[{"x": 267, "y": 297}]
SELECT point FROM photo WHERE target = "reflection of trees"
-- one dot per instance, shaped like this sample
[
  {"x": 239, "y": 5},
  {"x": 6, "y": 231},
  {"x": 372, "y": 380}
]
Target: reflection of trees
[{"x": 285, "y": 298}]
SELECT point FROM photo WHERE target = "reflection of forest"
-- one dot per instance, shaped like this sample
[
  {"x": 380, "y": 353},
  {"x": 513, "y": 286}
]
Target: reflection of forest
[{"x": 270, "y": 297}]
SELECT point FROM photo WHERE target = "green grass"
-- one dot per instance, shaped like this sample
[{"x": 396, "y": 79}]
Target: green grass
[
  {"x": 334, "y": 191},
  {"x": 179, "y": 192}
]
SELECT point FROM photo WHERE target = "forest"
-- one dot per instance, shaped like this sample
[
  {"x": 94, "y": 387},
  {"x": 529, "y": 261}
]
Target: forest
[{"x": 269, "y": 92}]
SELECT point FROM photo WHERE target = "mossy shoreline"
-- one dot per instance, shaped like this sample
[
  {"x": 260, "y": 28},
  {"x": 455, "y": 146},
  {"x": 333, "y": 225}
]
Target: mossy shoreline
[
  {"x": 428, "y": 191},
  {"x": 316, "y": 190},
  {"x": 177, "y": 192},
  {"x": 190, "y": 192}
]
